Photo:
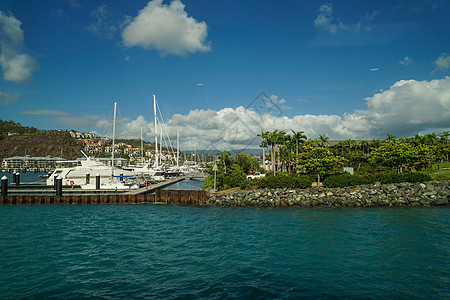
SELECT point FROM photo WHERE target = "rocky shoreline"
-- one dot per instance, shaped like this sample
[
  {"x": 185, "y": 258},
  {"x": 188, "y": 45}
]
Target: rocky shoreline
[{"x": 433, "y": 193}]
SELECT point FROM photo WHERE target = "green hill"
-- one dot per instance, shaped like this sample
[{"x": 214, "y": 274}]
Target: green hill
[{"x": 18, "y": 140}]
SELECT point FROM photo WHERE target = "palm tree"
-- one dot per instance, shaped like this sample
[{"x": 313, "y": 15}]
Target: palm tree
[
  {"x": 264, "y": 144},
  {"x": 299, "y": 139},
  {"x": 444, "y": 137},
  {"x": 271, "y": 140},
  {"x": 280, "y": 140},
  {"x": 323, "y": 139},
  {"x": 390, "y": 137},
  {"x": 375, "y": 143},
  {"x": 430, "y": 139},
  {"x": 364, "y": 145},
  {"x": 224, "y": 157}
]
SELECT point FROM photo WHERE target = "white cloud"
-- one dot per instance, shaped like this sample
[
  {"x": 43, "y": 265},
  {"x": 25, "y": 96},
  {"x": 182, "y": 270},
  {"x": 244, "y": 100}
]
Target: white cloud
[
  {"x": 442, "y": 63},
  {"x": 45, "y": 112},
  {"x": 335, "y": 33},
  {"x": 103, "y": 26},
  {"x": 8, "y": 99},
  {"x": 406, "y": 61},
  {"x": 16, "y": 66},
  {"x": 325, "y": 21},
  {"x": 166, "y": 28},
  {"x": 406, "y": 108},
  {"x": 374, "y": 69}
]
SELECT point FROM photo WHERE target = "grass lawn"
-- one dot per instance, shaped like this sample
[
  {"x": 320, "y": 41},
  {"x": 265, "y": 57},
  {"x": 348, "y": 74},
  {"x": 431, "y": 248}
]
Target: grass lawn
[{"x": 442, "y": 174}]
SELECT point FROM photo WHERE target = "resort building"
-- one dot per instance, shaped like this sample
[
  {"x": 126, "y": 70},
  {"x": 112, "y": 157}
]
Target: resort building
[{"x": 28, "y": 162}]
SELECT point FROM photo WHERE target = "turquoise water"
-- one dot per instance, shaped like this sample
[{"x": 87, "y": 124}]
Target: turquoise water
[
  {"x": 185, "y": 185},
  {"x": 189, "y": 252},
  {"x": 24, "y": 176}
]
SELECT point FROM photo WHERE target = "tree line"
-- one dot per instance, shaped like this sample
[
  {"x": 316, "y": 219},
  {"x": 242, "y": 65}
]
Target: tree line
[{"x": 294, "y": 153}]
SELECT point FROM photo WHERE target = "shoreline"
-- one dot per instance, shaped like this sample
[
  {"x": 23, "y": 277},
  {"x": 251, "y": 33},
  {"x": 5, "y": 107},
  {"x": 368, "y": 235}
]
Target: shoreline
[{"x": 432, "y": 193}]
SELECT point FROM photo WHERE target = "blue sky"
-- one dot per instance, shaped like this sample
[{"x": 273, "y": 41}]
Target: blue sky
[{"x": 222, "y": 71}]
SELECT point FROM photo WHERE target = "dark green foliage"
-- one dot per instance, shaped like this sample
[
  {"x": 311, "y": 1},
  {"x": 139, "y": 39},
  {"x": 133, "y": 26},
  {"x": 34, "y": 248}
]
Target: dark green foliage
[
  {"x": 14, "y": 128},
  {"x": 344, "y": 180},
  {"x": 234, "y": 178},
  {"x": 282, "y": 180}
]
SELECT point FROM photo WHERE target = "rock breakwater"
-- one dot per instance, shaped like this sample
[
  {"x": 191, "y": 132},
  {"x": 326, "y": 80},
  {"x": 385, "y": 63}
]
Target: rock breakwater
[{"x": 434, "y": 193}]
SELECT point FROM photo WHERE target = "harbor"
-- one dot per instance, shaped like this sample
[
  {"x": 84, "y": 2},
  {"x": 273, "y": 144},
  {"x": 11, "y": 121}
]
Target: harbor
[
  {"x": 158, "y": 197},
  {"x": 184, "y": 191}
]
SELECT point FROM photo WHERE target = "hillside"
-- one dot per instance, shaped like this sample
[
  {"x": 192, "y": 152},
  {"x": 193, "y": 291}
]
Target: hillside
[{"x": 31, "y": 141}]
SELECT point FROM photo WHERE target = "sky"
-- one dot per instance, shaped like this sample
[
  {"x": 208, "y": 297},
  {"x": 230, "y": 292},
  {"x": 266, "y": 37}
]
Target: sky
[{"x": 222, "y": 71}]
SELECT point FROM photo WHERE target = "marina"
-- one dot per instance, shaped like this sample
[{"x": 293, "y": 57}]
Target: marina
[
  {"x": 176, "y": 190},
  {"x": 159, "y": 196}
]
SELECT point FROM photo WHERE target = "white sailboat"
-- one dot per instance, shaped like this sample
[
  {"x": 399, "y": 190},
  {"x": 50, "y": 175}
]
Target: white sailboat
[{"x": 85, "y": 172}]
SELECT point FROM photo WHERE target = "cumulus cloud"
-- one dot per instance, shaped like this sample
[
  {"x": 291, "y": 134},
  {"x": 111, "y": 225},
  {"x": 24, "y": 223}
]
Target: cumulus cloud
[
  {"x": 8, "y": 99},
  {"x": 442, "y": 63},
  {"x": 16, "y": 66},
  {"x": 166, "y": 28},
  {"x": 406, "y": 108}
]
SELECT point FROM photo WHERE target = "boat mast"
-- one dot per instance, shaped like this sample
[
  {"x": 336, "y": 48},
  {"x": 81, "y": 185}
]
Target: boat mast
[
  {"x": 156, "y": 133},
  {"x": 113, "y": 138},
  {"x": 178, "y": 147},
  {"x": 142, "y": 146}
]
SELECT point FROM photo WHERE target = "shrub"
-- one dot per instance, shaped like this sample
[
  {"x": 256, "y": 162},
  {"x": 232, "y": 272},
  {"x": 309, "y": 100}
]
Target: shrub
[
  {"x": 284, "y": 181},
  {"x": 344, "y": 180}
]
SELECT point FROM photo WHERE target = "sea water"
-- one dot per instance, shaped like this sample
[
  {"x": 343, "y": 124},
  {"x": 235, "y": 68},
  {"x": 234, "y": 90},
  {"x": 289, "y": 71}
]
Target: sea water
[{"x": 190, "y": 252}]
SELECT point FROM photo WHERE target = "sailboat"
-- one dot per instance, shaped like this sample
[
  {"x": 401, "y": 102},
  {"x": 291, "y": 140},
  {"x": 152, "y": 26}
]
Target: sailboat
[
  {"x": 119, "y": 179},
  {"x": 85, "y": 172}
]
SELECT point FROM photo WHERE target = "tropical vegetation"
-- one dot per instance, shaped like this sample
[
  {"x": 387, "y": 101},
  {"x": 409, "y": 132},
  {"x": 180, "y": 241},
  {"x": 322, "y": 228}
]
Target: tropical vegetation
[{"x": 286, "y": 157}]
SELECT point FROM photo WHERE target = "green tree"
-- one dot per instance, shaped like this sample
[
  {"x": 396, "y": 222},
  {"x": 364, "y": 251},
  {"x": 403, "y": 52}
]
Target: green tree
[
  {"x": 318, "y": 160},
  {"x": 246, "y": 162},
  {"x": 225, "y": 160},
  {"x": 400, "y": 153}
]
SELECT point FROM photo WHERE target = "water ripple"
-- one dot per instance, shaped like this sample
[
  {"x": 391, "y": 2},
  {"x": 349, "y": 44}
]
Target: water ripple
[{"x": 174, "y": 252}]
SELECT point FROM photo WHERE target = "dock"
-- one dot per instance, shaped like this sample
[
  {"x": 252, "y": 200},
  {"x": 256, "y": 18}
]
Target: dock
[
  {"x": 43, "y": 189},
  {"x": 151, "y": 188},
  {"x": 40, "y": 193},
  {"x": 160, "y": 196}
]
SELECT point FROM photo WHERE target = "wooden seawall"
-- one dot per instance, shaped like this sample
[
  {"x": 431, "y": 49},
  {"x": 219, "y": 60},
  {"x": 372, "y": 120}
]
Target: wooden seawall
[{"x": 160, "y": 196}]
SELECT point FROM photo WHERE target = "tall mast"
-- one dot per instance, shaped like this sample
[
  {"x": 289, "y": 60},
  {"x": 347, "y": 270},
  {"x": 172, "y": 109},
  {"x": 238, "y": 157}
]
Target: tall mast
[
  {"x": 142, "y": 145},
  {"x": 113, "y": 138},
  {"x": 156, "y": 133},
  {"x": 178, "y": 147}
]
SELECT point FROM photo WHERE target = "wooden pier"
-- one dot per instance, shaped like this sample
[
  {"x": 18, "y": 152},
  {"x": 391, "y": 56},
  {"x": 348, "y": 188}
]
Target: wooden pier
[
  {"x": 153, "y": 187},
  {"x": 43, "y": 189},
  {"x": 160, "y": 196}
]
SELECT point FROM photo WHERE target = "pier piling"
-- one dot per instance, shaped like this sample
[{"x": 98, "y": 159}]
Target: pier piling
[
  {"x": 4, "y": 186},
  {"x": 97, "y": 181},
  {"x": 58, "y": 186}
]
